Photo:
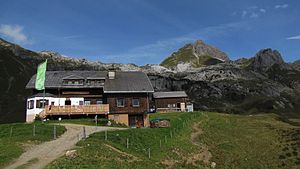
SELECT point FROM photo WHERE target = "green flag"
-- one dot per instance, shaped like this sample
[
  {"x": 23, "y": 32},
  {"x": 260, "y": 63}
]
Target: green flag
[{"x": 40, "y": 76}]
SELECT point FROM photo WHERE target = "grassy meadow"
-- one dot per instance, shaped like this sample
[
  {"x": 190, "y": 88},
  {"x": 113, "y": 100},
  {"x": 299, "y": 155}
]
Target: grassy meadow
[
  {"x": 229, "y": 141},
  {"x": 16, "y": 138}
]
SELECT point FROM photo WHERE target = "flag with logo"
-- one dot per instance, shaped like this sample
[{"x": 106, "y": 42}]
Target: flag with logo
[{"x": 41, "y": 76}]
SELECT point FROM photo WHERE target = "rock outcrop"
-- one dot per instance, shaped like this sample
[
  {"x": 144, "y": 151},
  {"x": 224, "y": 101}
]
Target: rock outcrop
[
  {"x": 195, "y": 55},
  {"x": 265, "y": 59}
]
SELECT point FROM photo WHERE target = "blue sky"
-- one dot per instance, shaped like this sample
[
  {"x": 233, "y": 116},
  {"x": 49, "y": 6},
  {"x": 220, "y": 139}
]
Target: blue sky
[{"x": 147, "y": 31}]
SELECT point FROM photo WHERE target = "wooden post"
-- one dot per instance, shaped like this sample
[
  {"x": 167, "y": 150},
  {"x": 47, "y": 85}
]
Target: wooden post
[
  {"x": 105, "y": 134},
  {"x": 96, "y": 120},
  {"x": 84, "y": 134},
  {"x": 127, "y": 143},
  {"x": 54, "y": 132},
  {"x": 149, "y": 153},
  {"x": 11, "y": 131},
  {"x": 33, "y": 130}
]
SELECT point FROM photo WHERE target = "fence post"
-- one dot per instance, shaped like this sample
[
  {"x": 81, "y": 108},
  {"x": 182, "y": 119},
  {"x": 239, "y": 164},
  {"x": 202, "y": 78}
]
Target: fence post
[
  {"x": 11, "y": 131},
  {"x": 84, "y": 134},
  {"x": 54, "y": 132},
  {"x": 149, "y": 153},
  {"x": 33, "y": 130},
  {"x": 127, "y": 143},
  {"x": 105, "y": 134}
]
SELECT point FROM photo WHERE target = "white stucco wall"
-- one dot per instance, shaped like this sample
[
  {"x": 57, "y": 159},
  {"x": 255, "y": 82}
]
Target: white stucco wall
[{"x": 30, "y": 113}]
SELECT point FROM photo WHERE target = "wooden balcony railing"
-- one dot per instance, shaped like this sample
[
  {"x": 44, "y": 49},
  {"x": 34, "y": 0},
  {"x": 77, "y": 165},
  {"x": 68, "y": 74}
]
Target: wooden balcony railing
[{"x": 75, "y": 110}]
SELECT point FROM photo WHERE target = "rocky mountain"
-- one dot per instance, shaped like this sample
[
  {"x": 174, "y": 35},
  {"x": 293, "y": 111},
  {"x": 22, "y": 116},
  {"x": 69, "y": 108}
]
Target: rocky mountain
[
  {"x": 296, "y": 65},
  {"x": 195, "y": 55},
  {"x": 263, "y": 83}
]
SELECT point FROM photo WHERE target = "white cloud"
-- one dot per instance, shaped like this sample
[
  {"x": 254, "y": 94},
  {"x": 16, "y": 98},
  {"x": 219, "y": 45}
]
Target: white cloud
[
  {"x": 253, "y": 15},
  {"x": 283, "y": 6},
  {"x": 71, "y": 37},
  {"x": 244, "y": 13},
  {"x": 297, "y": 37},
  {"x": 262, "y": 10},
  {"x": 253, "y": 12},
  {"x": 14, "y": 32}
]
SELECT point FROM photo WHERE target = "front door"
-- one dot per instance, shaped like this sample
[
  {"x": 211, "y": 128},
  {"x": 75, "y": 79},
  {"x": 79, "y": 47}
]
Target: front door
[{"x": 136, "y": 120}]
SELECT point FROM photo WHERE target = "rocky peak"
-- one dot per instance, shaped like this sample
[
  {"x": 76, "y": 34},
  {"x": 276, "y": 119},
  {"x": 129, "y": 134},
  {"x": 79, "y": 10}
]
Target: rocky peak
[
  {"x": 196, "y": 55},
  {"x": 266, "y": 58},
  {"x": 203, "y": 49}
]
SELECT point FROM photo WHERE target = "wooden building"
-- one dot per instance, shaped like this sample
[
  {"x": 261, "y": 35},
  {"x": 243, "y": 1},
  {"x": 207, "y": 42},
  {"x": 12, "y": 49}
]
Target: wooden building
[
  {"x": 170, "y": 101},
  {"x": 119, "y": 96}
]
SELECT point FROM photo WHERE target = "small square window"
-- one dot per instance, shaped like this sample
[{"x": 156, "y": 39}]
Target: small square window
[
  {"x": 136, "y": 102},
  {"x": 120, "y": 102},
  {"x": 30, "y": 104},
  {"x": 87, "y": 102},
  {"x": 42, "y": 103}
]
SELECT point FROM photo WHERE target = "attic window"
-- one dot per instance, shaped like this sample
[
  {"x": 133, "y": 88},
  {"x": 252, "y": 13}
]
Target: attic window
[
  {"x": 95, "y": 82},
  {"x": 70, "y": 82}
]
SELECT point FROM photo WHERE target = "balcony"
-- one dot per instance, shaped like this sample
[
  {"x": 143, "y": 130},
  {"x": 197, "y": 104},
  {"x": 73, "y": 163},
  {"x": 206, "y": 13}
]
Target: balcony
[{"x": 75, "y": 110}]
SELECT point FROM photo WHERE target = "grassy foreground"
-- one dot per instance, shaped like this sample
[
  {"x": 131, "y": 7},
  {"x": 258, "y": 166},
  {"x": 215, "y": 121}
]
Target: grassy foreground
[
  {"x": 234, "y": 141},
  {"x": 15, "y": 138}
]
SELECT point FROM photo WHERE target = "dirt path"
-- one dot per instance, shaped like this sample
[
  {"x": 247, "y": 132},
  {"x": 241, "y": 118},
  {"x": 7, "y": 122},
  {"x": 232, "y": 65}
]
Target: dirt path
[
  {"x": 133, "y": 158},
  {"x": 204, "y": 154},
  {"x": 193, "y": 158},
  {"x": 44, "y": 153}
]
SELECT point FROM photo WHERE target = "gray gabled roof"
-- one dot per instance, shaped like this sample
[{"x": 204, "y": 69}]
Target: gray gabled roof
[
  {"x": 73, "y": 77},
  {"x": 124, "y": 82},
  {"x": 173, "y": 94},
  {"x": 134, "y": 82}
]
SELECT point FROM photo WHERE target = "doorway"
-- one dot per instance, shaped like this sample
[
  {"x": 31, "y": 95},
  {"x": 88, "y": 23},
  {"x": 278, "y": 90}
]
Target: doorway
[
  {"x": 68, "y": 101},
  {"x": 136, "y": 120}
]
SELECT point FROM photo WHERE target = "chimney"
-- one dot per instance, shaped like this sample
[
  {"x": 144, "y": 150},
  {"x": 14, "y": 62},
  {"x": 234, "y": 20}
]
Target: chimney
[{"x": 111, "y": 74}]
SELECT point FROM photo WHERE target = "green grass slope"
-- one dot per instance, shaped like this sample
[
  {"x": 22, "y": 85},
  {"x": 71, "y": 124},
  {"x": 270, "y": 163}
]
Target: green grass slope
[
  {"x": 14, "y": 138},
  {"x": 235, "y": 141}
]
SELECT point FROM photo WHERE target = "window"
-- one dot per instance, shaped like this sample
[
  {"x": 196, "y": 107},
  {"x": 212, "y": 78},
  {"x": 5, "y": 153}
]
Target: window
[
  {"x": 87, "y": 102},
  {"x": 30, "y": 104},
  {"x": 41, "y": 103},
  {"x": 136, "y": 102},
  {"x": 99, "y": 101},
  {"x": 69, "y": 82},
  {"x": 95, "y": 82},
  {"x": 120, "y": 102}
]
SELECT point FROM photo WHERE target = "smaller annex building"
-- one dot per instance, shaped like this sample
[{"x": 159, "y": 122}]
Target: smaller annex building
[{"x": 171, "y": 101}]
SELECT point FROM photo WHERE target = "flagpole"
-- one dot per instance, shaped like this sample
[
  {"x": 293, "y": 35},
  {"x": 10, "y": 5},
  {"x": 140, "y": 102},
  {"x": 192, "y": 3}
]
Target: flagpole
[{"x": 44, "y": 99}]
